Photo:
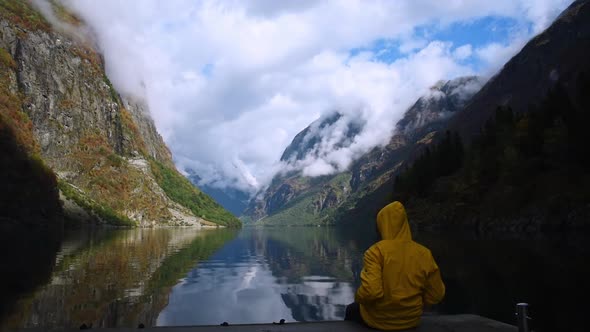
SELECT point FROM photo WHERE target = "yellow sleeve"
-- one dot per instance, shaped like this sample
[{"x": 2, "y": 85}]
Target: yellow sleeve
[
  {"x": 434, "y": 289},
  {"x": 371, "y": 287}
]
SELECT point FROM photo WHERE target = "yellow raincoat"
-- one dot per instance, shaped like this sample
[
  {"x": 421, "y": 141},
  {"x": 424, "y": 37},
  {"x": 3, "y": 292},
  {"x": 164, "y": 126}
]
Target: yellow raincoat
[{"x": 399, "y": 276}]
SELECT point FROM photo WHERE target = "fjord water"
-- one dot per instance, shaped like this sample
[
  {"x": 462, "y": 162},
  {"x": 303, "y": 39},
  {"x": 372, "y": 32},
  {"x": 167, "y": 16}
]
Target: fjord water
[{"x": 185, "y": 276}]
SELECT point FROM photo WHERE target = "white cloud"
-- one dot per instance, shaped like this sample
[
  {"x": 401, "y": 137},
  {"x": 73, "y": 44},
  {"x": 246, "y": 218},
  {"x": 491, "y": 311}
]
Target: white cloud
[
  {"x": 412, "y": 44},
  {"x": 463, "y": 52},
  {"x": 382, "y": 93},
  {"x": 541, "y": 12},
  {"x": 494, "y": 55},
  {"x": 230, "y": 83}
]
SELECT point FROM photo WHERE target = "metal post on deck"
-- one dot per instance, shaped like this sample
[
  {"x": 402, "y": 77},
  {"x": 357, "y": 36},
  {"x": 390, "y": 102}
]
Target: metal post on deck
[{"x": 522, "y": 317}]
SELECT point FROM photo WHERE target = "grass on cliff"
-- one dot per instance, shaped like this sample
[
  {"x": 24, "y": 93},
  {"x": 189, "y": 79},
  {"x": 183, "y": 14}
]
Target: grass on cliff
[
  {"x": 22, "y": 14},
  {"x": 180, "y": 190},
  {"x": 102, "y": 211},
  {"x": 112, "y": 182},
  {"x": 62, "y": 13}
]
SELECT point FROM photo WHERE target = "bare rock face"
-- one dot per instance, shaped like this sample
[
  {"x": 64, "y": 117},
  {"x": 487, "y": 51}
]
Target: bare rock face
[
  {"x": 154, "y": 145},
  {"x": 442, "y": 101},
  {"x": 285, "y": 193},
  {"x": 99, "y": 144},
  {"x": 377, "y": 161},
  {"x": 329, "y": 197}
]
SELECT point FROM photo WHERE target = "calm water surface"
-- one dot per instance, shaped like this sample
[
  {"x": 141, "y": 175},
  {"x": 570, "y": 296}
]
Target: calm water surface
[
  {"x": 268, "y": 274},
  {"x": 184, "y": 276}
]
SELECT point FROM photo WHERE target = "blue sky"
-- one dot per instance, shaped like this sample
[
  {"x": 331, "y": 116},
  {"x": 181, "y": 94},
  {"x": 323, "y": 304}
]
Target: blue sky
[
  {"x": 476, "y": 33},
  {"x": 230, "y": 83}
]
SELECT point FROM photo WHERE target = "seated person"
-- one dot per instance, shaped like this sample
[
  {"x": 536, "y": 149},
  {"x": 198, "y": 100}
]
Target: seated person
[{"x": 398, "y": 279}]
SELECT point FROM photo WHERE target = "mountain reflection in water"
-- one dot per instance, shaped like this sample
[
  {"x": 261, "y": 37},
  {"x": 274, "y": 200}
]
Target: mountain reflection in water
[
  {"x": 183, "y": 276},
  {"x": 268, "y": 274},
  {"x": 114, "y": 277}
]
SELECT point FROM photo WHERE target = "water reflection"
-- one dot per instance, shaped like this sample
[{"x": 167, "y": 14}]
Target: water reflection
[
  {"x": 268, "y": 274},
  {"x": 27, "y": 259},
  {"x": 115, "y": 278},
  {"x": 191, "y": 277}
]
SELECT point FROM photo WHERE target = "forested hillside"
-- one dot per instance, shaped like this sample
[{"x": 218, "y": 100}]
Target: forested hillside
[
  {"x": 527, "y": 171},
  {"x": 518, "y": 145}
]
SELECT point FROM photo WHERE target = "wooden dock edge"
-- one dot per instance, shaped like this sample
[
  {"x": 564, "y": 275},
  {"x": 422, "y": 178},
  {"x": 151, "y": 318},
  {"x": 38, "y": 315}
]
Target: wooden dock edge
[{"x": 430, "y": 323}]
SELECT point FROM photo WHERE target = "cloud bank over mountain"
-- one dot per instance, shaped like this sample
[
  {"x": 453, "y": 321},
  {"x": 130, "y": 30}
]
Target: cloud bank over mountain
[{"x": 230, "y": 83}]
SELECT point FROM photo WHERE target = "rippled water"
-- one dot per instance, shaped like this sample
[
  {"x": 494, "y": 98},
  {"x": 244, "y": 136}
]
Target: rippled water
[{"x": 185, "y": 276}]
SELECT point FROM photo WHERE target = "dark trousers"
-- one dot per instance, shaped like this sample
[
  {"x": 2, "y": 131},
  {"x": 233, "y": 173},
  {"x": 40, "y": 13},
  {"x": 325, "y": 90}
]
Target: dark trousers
[{"x": 353, "y": 313}]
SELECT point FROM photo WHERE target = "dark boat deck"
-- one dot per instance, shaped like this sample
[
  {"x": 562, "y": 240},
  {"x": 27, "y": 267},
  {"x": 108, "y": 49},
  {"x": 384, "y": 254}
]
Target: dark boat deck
[{"x": 443, "y": 323}]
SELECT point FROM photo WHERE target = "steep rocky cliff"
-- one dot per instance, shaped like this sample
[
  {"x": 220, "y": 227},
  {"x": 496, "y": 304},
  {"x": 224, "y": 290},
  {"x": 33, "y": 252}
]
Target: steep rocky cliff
[
  {"x": 525, "y": 166},
  {"x": 313, "y": 140},
  {"x": 111, "y": 163},
  {"x": 296, "y": 199},
  {"x": 443, "y": 100}
]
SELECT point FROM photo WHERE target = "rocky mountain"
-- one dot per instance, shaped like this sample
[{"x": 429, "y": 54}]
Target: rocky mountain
[
  {"x": 315, "y": 138},
  {"x": 295, "y": 199},
  {"x": 311, "y": 142},
  {"x": 549, "y": 70},
  {"x": 111, "y": 164},
  {"x": 29, "y": 188},
  {"x": 443, "y": 100},
  {"x": 525, "y": 167}
]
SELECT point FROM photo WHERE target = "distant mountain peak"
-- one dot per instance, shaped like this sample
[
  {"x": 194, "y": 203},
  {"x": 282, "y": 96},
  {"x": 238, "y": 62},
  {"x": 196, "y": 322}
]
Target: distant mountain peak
[
  {"x": 322, "y": 195},
  {"x": 443, "y": 99},
  {"x": 232, "y": 199},
  {"x": 321, "y": 135}
]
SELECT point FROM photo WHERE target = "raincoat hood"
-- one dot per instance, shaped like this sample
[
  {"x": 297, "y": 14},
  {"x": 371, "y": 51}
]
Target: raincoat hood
[
  {"x": 392, "y": 222},
  {"x": 399, "y": 276}
]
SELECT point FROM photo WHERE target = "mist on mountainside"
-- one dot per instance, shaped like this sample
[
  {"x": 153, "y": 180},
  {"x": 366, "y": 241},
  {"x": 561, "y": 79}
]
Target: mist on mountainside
[{"x": 228, "y": 101}]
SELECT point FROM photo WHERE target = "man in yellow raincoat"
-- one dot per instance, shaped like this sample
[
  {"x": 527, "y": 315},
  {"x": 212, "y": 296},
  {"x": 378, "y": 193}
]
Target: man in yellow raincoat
[{"x": 399, "y": 276}]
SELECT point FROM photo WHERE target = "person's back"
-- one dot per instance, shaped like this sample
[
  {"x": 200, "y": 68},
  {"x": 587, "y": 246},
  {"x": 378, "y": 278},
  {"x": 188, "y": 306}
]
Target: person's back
[{"x": 399, "y": 276}]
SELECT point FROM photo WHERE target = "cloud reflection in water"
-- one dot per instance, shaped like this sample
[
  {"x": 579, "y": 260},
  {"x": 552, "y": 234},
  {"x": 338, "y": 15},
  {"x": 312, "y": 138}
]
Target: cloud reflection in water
[{"x": 258, "y": 278}]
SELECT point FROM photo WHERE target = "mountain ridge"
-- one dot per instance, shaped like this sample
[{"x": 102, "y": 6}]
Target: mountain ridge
[
  {"x": 557, "y": 54},
  {"x": 112, "y": 165},
  {"x": 292, "y": 197},
  {"x": 543, "y": 60},
  {"x": 520, "y": 86}
]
